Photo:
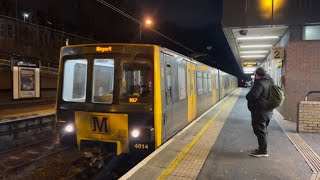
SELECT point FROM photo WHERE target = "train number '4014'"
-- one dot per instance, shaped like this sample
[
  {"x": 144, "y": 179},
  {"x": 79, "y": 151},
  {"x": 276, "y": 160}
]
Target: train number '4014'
[{"x": 141, "y": 146}]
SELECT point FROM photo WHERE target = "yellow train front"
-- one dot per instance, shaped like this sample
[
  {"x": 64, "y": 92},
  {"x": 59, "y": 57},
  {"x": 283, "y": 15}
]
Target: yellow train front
[{"x": 131, "y": 98}]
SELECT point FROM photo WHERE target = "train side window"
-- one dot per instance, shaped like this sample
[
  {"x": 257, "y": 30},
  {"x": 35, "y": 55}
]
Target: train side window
[
  {"x": 210, "y": 82},
  {"x": 199, "y": 83},
  {"x": 205, "y": 82},
  {"x": 75, "y": 80},
  {"x": 103, "y": 81},
  {"x": 168, "y": 84},
  {"x": 182, "y": 83}
]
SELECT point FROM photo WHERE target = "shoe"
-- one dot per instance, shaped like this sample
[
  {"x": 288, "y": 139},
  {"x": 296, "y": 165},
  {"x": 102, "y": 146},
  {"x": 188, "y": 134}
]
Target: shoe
[
  {"x": 255, "y": 151},
  {"x": 259, "y": 154}
]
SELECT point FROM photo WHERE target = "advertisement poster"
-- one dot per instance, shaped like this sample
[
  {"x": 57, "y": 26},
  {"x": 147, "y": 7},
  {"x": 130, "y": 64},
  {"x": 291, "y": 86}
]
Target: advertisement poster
[
  {"x": 27, "y": 82},
  {"x": 26, "y": 77}
]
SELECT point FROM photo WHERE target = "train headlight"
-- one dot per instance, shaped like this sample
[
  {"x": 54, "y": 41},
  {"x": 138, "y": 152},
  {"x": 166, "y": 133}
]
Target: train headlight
[
  {"x": 69, "y": 128},
  {"x": 135, "y": 133}
]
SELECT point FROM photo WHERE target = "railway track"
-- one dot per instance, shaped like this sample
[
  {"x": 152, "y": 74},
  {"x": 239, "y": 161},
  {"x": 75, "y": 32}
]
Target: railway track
[{"x": 19, "y": 158}]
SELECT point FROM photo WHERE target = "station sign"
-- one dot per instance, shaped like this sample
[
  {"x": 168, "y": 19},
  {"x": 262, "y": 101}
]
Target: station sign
[
  {"x": 249, "y": 64},
  {"x": 26, "y": 77},
  {"x": 277, "y": 53}
]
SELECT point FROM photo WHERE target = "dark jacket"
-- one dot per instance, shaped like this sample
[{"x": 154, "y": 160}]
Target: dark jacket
[{"x": 258, "y": 95}]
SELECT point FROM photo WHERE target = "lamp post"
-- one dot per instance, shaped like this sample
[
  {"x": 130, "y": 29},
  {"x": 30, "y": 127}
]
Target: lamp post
[
  {"x": 25, "y": 16},
  {"x": 147, "y": 23}
]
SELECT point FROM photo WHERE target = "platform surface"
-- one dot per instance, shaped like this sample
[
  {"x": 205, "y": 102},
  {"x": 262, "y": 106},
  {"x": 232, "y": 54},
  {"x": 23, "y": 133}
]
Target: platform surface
[{"x": 218, "y": 145}]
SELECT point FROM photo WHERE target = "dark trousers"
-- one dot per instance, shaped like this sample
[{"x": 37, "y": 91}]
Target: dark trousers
[{"x": 260, "y": 121}]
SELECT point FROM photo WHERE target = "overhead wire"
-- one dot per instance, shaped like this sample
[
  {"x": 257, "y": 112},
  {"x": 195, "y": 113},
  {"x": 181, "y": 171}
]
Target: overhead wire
[{"x": 141, "y": 23}]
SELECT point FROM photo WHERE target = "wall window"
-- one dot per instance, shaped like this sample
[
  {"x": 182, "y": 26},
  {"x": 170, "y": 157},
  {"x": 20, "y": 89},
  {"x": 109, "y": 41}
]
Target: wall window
[
  {"x": 199, "y": 83},
  {"x": 182, "y": 83},
  {"x": 205, "y": 83},
  {"x": 210, "y": 82},
  {"x": 75, "y": 80},
  {"x": 103, "y": 81}
]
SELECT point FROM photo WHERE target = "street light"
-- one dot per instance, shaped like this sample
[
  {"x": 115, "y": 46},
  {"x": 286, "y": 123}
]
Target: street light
[
  {"x": 147, "y": 23},
  {"x": 25, "y": 16}
]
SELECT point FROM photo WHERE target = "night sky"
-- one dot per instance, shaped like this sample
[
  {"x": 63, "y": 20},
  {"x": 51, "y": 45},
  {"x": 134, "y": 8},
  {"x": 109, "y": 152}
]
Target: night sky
[{"x": 193, "y": 24}]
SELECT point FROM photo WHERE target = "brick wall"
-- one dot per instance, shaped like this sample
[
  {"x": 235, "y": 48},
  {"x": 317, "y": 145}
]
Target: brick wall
[
  {"x": 302, "y": 75},
  {"x": 309, "y": 117}
]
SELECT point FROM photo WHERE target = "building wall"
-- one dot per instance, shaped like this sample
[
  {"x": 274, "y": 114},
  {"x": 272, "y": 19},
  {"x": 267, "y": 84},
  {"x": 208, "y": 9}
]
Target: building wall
[
  {"x": 31, "y": 40},
  {"x": 309, "y": 117},
  {"x": 301, "y": 76}
]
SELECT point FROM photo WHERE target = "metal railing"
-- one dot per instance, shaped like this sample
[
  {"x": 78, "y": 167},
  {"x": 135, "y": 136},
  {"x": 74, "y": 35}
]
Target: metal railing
[{"x": 311, "y": 92}]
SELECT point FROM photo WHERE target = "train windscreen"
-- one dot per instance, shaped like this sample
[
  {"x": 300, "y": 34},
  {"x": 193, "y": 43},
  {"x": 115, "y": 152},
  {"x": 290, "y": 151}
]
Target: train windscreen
[{"x": 112, "y": 78}]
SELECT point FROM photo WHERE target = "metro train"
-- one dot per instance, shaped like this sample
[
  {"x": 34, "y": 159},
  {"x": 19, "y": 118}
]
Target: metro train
[{"x": 131, "y": 98}]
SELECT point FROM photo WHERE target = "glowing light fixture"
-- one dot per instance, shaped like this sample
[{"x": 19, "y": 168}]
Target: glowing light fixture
[
  {"x": 252, "y": 52},
  {"x": 256, "y": 46},
  {"x": 258, "y": 37},
  {"x": 148, "y": 21},
  {"x": 253, "y": 56}
]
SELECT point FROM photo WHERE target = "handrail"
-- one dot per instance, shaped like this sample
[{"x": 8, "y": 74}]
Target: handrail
[{"x": 311, "y": 92}]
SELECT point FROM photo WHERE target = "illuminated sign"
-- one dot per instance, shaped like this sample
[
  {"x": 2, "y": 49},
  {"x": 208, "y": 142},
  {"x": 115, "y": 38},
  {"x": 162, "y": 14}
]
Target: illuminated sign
[
  {"x": 249, "y": 64},
  {"x": 277, "y": 53},
  {"x": 133, "y": 100},
  {"x": 203, "y": 68},
  {"x": 104, "y": 49}
]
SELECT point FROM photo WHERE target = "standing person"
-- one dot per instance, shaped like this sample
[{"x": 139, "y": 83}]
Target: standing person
[{"x": 260, "y": 114}]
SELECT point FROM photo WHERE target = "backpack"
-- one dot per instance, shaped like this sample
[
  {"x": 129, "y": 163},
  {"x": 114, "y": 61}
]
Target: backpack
[{"x": 276, "y": 96}]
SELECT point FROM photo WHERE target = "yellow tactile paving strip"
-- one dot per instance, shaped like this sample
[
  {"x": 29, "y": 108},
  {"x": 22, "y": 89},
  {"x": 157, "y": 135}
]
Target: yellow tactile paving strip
[
  {"x": 190, "y": 161},
  {"x": 310, "y": 156}
]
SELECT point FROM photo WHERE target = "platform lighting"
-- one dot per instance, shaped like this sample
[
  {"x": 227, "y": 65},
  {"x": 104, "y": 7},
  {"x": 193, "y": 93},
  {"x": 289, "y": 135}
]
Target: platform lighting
[
  {"x": 253, "y": 56},
  {"x": 252, "y": 52},
  {"x": 148, "y": 22},
  {"x": 25, "y": 16},
  {"x": 257, "y": 37},
  {"x": 256, "y": 46}
]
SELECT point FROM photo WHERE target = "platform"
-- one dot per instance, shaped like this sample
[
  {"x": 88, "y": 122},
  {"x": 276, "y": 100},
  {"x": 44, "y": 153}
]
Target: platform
[
  {"x": 218, "y": 144},
  {"x": 23, "y": 112}
]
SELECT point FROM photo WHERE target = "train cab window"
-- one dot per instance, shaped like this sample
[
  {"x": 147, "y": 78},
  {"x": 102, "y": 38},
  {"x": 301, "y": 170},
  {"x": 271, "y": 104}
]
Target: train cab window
[
  {"x": 182, "y": 83},
  {"x": 103, "y": 81},
  {"x": 199, "y": 83},
  {"x": 75, "y": 80},
  {"x": 136, "y": 81}
]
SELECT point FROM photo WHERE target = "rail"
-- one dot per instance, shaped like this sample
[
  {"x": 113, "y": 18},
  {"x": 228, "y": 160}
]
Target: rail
[{"x": 311, "y": 92}]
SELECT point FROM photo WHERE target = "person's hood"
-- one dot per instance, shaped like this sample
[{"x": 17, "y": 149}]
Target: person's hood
[{"x": 267, "y": 78}]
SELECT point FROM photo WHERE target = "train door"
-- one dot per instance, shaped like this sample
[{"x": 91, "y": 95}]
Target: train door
[
  {"x": 191, "y": 91},
  {"x": 168, "y": 102}
]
